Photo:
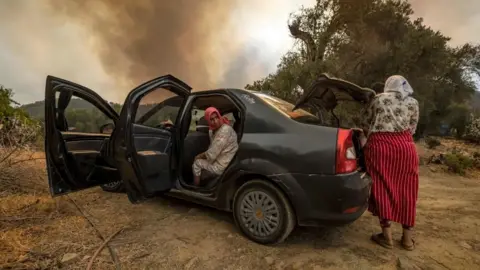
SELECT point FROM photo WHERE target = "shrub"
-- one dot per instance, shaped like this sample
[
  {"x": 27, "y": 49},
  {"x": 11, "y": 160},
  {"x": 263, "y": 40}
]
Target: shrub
[
  {"x": 457, "y": 162},
  {"x": 476, "y": 160},
  {"x": 432, "y": 142},
  {"x": 17, "y": 130},
  {"x": 472, "y": 132},
  {"x": 458, "y": 117}
]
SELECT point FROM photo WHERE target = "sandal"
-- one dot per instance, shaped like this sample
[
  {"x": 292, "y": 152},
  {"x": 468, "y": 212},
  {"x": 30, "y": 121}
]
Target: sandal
[
  {"x": 407, "y": 247},
  {"x": 381, "y": 240}
]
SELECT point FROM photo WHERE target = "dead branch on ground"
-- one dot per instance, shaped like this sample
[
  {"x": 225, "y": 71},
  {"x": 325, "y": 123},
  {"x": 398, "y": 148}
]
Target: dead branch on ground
[
  {"x": 113, "y": 254},
  {"x": 90, "y": 264}
]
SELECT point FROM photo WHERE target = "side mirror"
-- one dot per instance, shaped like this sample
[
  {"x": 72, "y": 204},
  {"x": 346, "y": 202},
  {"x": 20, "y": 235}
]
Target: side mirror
[{"x": 107, "y": 128}]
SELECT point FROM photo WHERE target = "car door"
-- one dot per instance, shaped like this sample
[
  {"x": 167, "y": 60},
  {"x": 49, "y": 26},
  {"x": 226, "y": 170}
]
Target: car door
[
  {"x": 75, "y": 146},
  {"x": 144, "y": 141}
]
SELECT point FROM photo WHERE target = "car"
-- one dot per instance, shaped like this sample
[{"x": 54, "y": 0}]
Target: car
[{"x": 291, "y": 168}]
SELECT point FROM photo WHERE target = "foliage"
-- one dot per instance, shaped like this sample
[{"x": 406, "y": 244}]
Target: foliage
[
  {"x": 457, "y": 117},
  {"x": 458, "y": 162},
  {"x": 365, "y": 41},
  {"x": 476, "y": 160},
  {"x": 472, "y": 132},
  {"x": 88, "y": 118},
  {"x": 17, "y": 129},
  {"x": 432, "y": 142}
]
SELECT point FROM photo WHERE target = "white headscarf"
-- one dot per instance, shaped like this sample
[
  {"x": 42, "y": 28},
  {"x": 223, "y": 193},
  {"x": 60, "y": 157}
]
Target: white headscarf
[{"x": 398, "y": 84}]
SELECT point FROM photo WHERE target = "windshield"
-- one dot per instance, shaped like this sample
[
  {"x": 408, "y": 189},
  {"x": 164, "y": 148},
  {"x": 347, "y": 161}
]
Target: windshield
[{"x": 286, "y": 107}]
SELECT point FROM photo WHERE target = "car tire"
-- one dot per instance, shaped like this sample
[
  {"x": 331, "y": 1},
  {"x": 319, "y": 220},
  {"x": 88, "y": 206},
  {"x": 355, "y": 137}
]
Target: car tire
[
  {"x": 254, "y": 220},
  {"x": 117, "y": 187}
]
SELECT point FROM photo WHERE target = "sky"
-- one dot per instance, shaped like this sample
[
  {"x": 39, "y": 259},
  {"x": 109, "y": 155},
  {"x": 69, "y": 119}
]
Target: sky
[{"x": 111, "y": 46}]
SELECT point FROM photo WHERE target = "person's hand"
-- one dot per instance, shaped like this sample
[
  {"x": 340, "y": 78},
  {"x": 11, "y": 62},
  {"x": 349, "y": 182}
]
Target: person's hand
[
  {"x": 358, "y": 129},
  {"x": 200, "y": 156},
  {"x": 363, "y": 140}
]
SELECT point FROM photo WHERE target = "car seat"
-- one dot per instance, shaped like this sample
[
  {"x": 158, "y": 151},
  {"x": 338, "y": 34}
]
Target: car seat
[{"x": 195, "y": 142}]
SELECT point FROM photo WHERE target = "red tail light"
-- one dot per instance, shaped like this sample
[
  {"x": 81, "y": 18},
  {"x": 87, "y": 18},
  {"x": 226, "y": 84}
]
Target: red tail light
[{"x": 346, "y": 156}]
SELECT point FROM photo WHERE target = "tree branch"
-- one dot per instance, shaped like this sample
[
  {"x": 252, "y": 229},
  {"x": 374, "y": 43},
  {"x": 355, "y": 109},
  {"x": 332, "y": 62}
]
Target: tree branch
[{"x": 306, "y": 37}]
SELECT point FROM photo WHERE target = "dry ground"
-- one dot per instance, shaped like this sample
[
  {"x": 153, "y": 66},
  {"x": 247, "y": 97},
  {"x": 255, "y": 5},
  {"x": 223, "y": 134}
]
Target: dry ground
[{"x": 38, "y": 232}]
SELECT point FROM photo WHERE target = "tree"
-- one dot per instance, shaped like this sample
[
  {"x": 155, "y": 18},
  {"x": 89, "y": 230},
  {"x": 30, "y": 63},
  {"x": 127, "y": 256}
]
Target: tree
[
  {"x": 458, "y": 118},
  {"x": 365, "y": 41}
]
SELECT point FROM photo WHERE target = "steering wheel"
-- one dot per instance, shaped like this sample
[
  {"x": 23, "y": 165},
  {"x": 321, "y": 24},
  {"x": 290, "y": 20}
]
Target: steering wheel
[{"x": 165, "y": 125}]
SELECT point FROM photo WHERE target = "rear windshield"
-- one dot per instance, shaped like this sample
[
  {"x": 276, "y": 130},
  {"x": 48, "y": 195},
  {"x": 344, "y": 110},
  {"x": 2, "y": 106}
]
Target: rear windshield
[{"x": 286, "y": 109}]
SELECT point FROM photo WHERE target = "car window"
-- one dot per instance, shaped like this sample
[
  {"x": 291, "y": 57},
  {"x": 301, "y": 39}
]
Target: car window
[
  {"x": 230, "y": 118},
  {"x": 198, "y": 114},
  {"x": 157, "y": 107},
  {"x": 82, "y": 116},
  {"x": 285, "y": 107}
]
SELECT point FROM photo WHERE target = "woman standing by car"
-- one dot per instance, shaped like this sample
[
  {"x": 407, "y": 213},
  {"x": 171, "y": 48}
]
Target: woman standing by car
[{"x": 392, "y": 160}]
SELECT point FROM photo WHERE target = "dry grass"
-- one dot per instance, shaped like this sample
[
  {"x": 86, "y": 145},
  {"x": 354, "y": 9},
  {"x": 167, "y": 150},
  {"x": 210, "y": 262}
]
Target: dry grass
[
  {"x": 39, "y": 232},
  {"x": 36, "y": 230}
]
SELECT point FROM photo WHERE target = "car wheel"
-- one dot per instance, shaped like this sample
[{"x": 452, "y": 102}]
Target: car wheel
[
  {"x": 263, "y": 213},
  {"x": 116, "y": 186}
]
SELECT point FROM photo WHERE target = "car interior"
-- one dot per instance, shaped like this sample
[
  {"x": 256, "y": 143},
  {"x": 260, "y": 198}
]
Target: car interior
[
  {"x": 87, "y": 154},
  {"x": 197, "y": 139},
  {"x": 152, "y": 139},
  {"x": 82, "y": 151}
]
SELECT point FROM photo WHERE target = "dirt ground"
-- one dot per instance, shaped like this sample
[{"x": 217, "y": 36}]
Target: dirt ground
[{"x": 38, "y": 232}]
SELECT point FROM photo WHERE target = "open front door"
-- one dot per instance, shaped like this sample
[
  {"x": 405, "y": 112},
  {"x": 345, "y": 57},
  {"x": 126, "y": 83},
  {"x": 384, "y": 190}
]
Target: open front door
[
  {"x": 144, "y": 143},
  {"x": 76, "y": 137}
]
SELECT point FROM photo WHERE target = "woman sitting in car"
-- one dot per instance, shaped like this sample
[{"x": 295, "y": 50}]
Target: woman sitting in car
[{"x": 222, "y": 149}]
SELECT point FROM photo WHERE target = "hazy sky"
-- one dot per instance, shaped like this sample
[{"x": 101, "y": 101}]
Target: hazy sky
[{"x": 113, "y": 45}]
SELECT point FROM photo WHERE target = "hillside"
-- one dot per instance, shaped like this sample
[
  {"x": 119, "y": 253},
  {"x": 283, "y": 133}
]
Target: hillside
[
  {"x": 84, "y": 117},
  {"x": 37, "y": 109}
]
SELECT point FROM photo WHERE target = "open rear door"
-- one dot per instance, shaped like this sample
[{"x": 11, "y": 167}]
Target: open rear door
[
  {"x": 144, "y": 142},
  {"x": 75, "y": 141}
]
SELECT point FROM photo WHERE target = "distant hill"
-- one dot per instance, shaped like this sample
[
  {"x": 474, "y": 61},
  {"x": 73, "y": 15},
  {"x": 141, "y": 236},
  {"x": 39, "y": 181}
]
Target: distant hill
[{"x": 37, "y": 109}]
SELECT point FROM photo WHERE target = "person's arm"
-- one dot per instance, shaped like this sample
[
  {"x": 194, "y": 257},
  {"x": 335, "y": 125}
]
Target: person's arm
[
  {"x": 201, "y": 156},
  {"x": 414, "y": 117},
  {"x": 217, "y": 144},
  {"x": 368, "y": 116}
]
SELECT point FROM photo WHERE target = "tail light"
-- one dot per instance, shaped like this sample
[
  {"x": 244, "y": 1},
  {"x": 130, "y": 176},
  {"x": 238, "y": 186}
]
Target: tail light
[{"x": 346, "y": 156}]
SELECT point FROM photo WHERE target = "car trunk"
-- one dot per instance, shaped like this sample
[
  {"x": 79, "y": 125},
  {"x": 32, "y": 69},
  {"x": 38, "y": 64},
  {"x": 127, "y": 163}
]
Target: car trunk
[{"x": 327, "y": 93}]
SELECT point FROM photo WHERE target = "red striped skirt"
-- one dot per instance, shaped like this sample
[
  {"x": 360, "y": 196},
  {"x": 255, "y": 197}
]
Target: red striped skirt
[{"x": 392, "y": 162}]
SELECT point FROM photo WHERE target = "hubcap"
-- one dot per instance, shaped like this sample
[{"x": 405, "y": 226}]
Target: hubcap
[{"x": 259, "y": 213}]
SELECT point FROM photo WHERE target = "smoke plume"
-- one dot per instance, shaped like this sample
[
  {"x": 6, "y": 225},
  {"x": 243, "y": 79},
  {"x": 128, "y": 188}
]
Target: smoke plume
[
  {"x": 113, "y": 45},
  {"x": 459, "y": 19},
  {"x": 139, "y": 40}
]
